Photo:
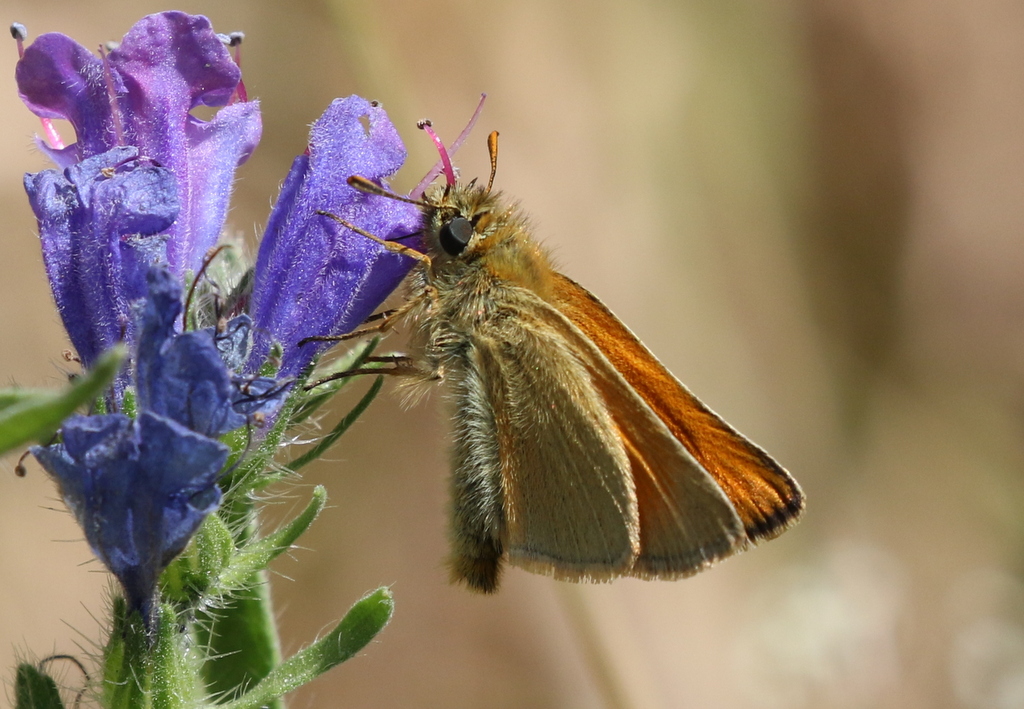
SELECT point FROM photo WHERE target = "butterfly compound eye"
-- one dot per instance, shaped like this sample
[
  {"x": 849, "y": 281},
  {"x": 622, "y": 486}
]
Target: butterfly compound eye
[{"x": 455, "y": 235}]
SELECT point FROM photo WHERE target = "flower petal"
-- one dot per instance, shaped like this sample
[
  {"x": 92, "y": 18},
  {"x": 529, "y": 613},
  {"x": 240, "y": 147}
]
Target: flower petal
[
  {"x": 167, "y": 64},
  {"x": 139, "y": 490},
  {"x": 312, "y": 276},
  {"x": 181, "y": 377},
  {"x": 83, "y": 214},
  {"x": 59, "y": 78},
  {"x": 215, "y": 149},
  {"x": 170, "y": 63},
  {"x": 234, "y": 340}
]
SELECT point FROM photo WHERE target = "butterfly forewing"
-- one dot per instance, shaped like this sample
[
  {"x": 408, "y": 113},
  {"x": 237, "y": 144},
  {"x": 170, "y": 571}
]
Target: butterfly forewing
[
  {"x": 764, "y": 495},
  {"x": 686, "y": 520}
]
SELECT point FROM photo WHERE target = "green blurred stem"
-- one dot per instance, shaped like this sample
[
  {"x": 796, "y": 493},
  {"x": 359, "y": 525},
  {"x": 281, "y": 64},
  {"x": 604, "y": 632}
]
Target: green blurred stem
[{"x": 595, "y": 651}]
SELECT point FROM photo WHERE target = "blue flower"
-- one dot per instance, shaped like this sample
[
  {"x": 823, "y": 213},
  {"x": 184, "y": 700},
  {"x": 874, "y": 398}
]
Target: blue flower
[
  {"x": 313, "y": 277},
  {"x": 139, "y": 97},
  {"x": 138, "y": 488},
  {"x": 141, "y": 487},
  {"x": 97, "y": 224},
  {"x": 188, "y": 377}
]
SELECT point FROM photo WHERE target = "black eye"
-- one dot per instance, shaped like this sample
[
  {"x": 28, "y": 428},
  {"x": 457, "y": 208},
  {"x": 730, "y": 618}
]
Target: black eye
[{"x": 455, "y": 235}]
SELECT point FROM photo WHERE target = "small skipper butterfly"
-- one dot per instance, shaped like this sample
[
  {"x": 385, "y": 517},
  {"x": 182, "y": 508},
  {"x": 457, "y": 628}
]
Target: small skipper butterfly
[{"x": 576, "y": 453}]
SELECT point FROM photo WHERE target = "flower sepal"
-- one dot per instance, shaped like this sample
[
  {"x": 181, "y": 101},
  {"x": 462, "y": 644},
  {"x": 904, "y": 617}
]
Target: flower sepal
[
  {"x": 147, "y": 662},
  {"x": 191, "y": 576}
]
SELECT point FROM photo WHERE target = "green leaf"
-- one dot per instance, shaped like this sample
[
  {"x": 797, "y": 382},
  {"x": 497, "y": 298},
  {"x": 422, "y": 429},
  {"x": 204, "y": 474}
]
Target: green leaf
[
  {"x": 128, "y": 403},
  {"x": 189, "y": 576},
  {"x": 35, "y": 690},
  {"x": 9, "y": 397},
  {"x": 256, "y": 555},
  {"x": 36, "y": 415},
  {"x": 350, "y": 418},
  {"x": 240, "y": 634},
  {"x": 359, "y": 626},
  {"x": 240, "y": 639}
]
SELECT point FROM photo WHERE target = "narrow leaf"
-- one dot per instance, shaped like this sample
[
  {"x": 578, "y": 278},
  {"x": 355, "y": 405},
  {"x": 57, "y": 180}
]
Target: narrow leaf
[
  {"x": 240, "y": 639},
  {"x": 359, "y": 626},
  {"x": 255, "y": 556},
  {"x": 190, "y": 576},
  {"x": 350, "y": 418},
  {"x": 38, "y": 416},
  {"x": 10, "y": 397}
]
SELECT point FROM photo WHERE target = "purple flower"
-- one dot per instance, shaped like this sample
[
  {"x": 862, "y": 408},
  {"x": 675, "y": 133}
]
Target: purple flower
[
  {"x": 140, "y": 488},
  {"x": 147, "y": 184},
  {"x": 165, "y": 66},
  {"x": 97, "y": 221},
  {"x": 137, "y": 98},
  {"x": 314, "y": 277}
]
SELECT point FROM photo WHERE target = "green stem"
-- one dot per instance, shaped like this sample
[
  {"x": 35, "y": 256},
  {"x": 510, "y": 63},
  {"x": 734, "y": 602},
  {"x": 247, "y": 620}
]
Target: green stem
[{"x": 127, "y": 666}]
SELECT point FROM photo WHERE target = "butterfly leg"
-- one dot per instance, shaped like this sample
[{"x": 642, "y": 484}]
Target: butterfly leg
[
  {"x": 403, "y": 366},
  {"x": 387, "y": 317}
]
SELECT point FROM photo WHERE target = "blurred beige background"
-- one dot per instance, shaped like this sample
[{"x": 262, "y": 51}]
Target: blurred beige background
[{"x": 812, "y": 211}]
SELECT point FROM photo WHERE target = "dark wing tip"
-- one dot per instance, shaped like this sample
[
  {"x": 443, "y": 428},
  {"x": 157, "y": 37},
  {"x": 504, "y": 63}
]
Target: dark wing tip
[{"x": 781, "y": 518}]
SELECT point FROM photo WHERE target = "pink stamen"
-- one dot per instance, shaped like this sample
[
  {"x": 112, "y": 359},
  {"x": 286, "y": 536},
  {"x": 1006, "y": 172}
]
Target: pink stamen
[
  {"x": 20, "y": 34},
  {"x": 235, "y": 42},
  {"x": 115, "y": 109},
  {"x": 449, "y": 171},
  {"x": 420, "y": 188},
  {"x": 53, "y": 138}
]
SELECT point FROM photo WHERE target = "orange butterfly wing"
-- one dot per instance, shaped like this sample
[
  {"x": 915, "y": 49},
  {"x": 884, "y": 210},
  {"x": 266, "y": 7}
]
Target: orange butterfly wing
[{"x": 767, "y": 499}]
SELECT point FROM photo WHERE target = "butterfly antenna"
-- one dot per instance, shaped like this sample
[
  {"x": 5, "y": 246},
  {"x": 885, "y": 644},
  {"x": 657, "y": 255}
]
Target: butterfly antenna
[
  {"x": 449, "y": 171},
  {"x": 358, "y": 182},
  {"x": 492, "y": 151},
  {"x": 391, "y": 246}
]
